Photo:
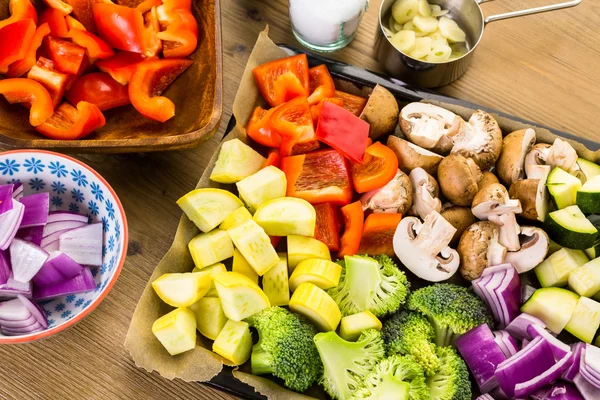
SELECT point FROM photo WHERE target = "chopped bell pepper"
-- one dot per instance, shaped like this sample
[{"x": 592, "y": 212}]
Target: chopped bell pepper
[
  {"x": 184, "y": 5},
  {"x": 292, "y": 121},
  {"x": 282, "y": 80},
  {"x": 328, "y": 226},
  {"x": 19, "y": 10},
  {"x": 15, "y": 41},
  {"x": 96, "y": 47},
  {"x": 59, "y": 5},
  {"x": 343, "y": 131},
  {"x": 149, "y": 80},
  {"x": 57, "y": 22},
  {"x": 146, "y": 5},
  {"x": 83, "y": 12},
  {"x": 68, "y": 57},
  {"x": 152, "y": 42},
  {"x": 354, "y": 217},
  {"x": 318, "y": 177},
  {"x": 315, "y": 109},
  {"x": 55, "y": 82},
  {"x": 378, "y": 168},
  {"x": 122, "y": 65},
  {"x": 259, "y": 128},
  {"x": 73, "y": 23},
  {"x": 181, "y": 36},
  {"x": 100, "y": 89},
  {"x": 68, "y": 122},
  {"x": 273, "y": 159},
  {"x": 21, "y": 67},
  {"x": 378, "y": 234},
  {"x": 350, "y": 102},
  {"x": 28, "y": 91},
  {"x": 321, "y": 84},
  {"x": 275, "y": 240}
]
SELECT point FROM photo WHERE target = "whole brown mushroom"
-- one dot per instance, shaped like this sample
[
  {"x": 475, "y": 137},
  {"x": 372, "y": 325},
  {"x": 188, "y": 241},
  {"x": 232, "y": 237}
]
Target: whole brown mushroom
[
  {"x": 479, "y": 139},
  {"x": 460, "y": 218},
  {"x": 381, "y": 112},
  {"x": 479, "y": 248},
  {"x": 411, "y": 156},
  {"x": 458, "y": 178},
  {"x": 510, "y": 167},
  {"x": 488, "y": 179}
]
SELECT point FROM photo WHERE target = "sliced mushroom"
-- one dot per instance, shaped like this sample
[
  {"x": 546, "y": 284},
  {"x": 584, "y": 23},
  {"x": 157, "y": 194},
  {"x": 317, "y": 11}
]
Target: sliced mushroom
[
  {"x": 488, "y": 178},
  {"x": 532, "y": 193},
  {"x": 509, "y": 230},
  {"x": 426, "y": 193},
  {"x": 479, "y": 248},
  {"x": 537, "y": 155},
  {"x": 423, "y": 247},
  {"x": 381, "y": 112},
  {"x": 534, "y": 248},
  {"x": 411, "y": 156},
  {"x": 479, "y": 139},
  {"x": 510, "y": 167},
  {"x": 429, "y": 126},
  {"x": 395, "y": 197},
  {"x": 460, "y": 218},
  {"x": 561, "y": 154},
  {"x": 494, "y": 199},
  {"x": 458, "y": 178}
]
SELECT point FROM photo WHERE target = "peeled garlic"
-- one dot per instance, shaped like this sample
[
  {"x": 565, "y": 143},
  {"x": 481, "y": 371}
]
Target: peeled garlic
[
  {"x": 405, "y": 10},
  {"x": 439, "y": 53},
  {"x": 451, "y": 30},
  {"x": 425, "y": 24},
  {"x": 424, "y": 8},
  {"x": 392, "y": 24},
  {"x": 404, "y": 41},
  {"x": 422, "y": 47},
  {"x": 410, "y": 26},
  {"x": 436, "y": 11}
]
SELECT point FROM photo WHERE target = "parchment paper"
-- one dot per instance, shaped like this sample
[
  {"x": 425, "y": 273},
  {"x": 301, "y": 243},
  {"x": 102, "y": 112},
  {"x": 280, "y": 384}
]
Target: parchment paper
[{"x": 201, "y": 364}]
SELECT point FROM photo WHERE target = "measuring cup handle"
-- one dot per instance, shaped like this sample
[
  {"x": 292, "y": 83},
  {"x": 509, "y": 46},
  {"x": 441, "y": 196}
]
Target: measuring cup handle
[{"x": 529, "y": 11}]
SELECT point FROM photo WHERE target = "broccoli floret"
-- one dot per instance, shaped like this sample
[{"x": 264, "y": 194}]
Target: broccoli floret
[
  {"x": 285, "y": 348},
  {"x": 411, "y": 333},
  {"x": 367, "y": 283},
  {"x": 451, "y": 309},
  {"x": 451, "y": 382},
  {"x": 396, "y": 377},
  {"x": 347, "y": 363}
]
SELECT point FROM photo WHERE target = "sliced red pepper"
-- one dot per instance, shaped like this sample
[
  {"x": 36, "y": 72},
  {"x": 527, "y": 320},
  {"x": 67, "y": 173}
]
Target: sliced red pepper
[
  {"x": 378, "y": 234},
  {"x": 21, "y": 67},
  {"x": 321, "y": 84},
  {"x": 73, "y": 23},
  {"x": 181, "y": 36},
  {"x": 184, "y": 5},
  {"x": 57, "y": 22},
  {"x": 96, "y": 47},
  {"x": 121, "y": 66},
  {"x": 149, "y": 80},
  {"x": 68, "y": 122},
  {"x": 282, "y": 80},
  {"x": 100, "y": 89},
  {"x": 152, "y": 43},
  {"x": 15, "y": 41},
  {"x": 147, "y": 5},
  {"x": 273, "y": 159},
  {"x": 68, "y": 57},
  {"x": 275, "y": 240},
  {"x": 343, "y": 131},
  {"x": 318, "y": 177},
  {"x": 59, "y": 5},
  {"x": 28, "y": 91},
  {"x": 52, "y": 79},
  {"x": 377, "y": 169},
  {"x": 19, "y": 10},
  {"x": 354, "y": 217},
  {"x": 83, "y": 12},
  {"x": 315, "y": 110},
  {"x": 259, "y": 128},
  {"x": 350, "y": 102},
  {"x": 327, "y": 228},
  {"x": 292, "y": 121}
]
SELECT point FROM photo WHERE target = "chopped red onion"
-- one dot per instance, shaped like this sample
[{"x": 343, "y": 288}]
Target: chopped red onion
[
  {"x": 501, "y": 288},
  {"x": 56, "y": 216},
  {"x": 518, "y": 327},
  {"x": 26, "y": 259},
  {"x": 523, "y": 389},
  {"x": 559, "y": 349},
  {"x": 6, "y": 198},
  {"x": 587, "y": 390},
  {"x": 558, "y": 391},
  {"x": 83, "y": 282},
  {"x": 4, "y": 267},
  {"x": 32, "y": 234},
  {"x": 17, "y": 191},
  {"x": 37, "y": 207},
  {"x": 9, "y": 224},
  {"x": 52, "y": 227},
  {"x": 51, "y": 247},
  {"x": 13, "y": 288},
  {"x": 35, "y": 310},
  {"x": 84, "y": 244},
  {"x": 577, "y": 350},
  {"x": 14, "y": 310},
  {"x": 58, "y": 268},
  {"x": 507, "y": 344},
  {"x": 18, "y": 324}
]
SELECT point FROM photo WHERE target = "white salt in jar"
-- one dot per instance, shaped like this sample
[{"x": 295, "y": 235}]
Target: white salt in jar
[{"x": 326, "y": 25}]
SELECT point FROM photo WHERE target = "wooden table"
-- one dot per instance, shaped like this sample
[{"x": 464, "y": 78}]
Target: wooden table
[{"x": 543, "y": 68}]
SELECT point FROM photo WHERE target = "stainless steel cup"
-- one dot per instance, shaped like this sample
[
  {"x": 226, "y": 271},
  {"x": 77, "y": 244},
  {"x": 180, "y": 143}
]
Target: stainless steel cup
[{"x": 470, "y": 18}]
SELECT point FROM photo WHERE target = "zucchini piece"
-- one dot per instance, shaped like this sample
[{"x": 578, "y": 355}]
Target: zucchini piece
[
  {"x": 570, "y": 228},
  {"x": 563, "y": 187},
  {"x": 586, "y": 279},
  {"x": 275, "y": 283},
  {"x": 352, "y": 325},
  {"x": 553, "y": 247},
  {"x": 241, "y": 266},
  {"x": 554, "y": 306},
  {"x": 593, "y": 252},
  {"x": 588, "y": 196},
  {"x": 287, "y": 216},
  {"x": 210, "y": 318},
  {"x": 267, "y": 184},
  {"x": 237, "y": 217},
  {"x": 236, "y": 161},
  {"x": 240, "y": 297},
  {"x": 302, "y": 248},
  {"x": 176, "y": 331},
  {"x": 589, "y": 168},
  {"x": 234, "y": 342},
  {"x": 317, "y": 306},
  {"x": 210, "y": 248},
  {"x": 585, "y": 320},
  {"x": 207, "y": 208},
  {"x": 254, "y": 244},
  {"x": 212, "y": 270},
  {"x": 182, "y": 290},
  {"x": 555, "y": 270}
]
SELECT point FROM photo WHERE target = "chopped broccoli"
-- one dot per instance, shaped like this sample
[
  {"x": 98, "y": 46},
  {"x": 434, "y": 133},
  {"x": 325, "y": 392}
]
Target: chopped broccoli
[
  {"x": 451, "y": 309},
  {"x": 389, "y": 378},
  {"x": 411, "y": 333},
  {"x": 285, "y": 348},
  {"x": 347, "y": 363},
  {"x": 366, "y": 283},
  {"x": 451, "y": 382}
]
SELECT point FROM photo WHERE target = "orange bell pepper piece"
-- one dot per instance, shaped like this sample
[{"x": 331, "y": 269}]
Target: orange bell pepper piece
[
  {"x": 68, "y": 57},
  {"x": 122, "y": 65},
  {"x": 20, "y": 10},
  {"x": 350, "y": 102},
  {"x": 259, "y": 128},
  {"x": 321, "y": 84},
  {"x": 292, "y": 121},
  {"x": 273, "y": 159},
  {"x": 181, "y": 36},
  {"x": 83, "y": 12},
  {"x": 73, "y": 23},
  {"x": 52, "y": 79},
  {"x": 282, "y": 80},
  {"x": 57, "y": 22},
  {"x": 378, "y": 168},
  {"x": 100, "y": 89},
  {"x": 59, "y": 5},
  {"x": 28, "y": 91},
  {"x": 147, "y": 5},
  {"x": 96, "y": 47},
  {"x": 68, "y": 122},
  {"x": 15, "y": 42},
  {"x": 315, "y": 109},
  {"x": 327, "y": 228},
  {"x": 353, "y": 228},
  {"x": 21, "y": 67},
  {"x": 378, "y": 234}
]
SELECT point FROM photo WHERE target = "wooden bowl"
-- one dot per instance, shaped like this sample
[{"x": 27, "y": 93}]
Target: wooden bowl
[{"x": 197, "y": 95}]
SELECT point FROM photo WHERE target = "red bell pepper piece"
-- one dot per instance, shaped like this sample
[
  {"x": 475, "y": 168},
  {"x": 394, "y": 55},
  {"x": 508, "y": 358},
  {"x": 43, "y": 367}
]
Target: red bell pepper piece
[
  {"x": 64, "y": 8},
  {"x": 21, "y": 67},
  {"x": 68, "y": 57},
  {"x": 53, "y": 80},
  {"x": 19, "y": 10},
  {"x": 184, "y": 5},
  {"x": 14, "y": 43},
  {"x": 100, "y": 89},
  {"x": 259, "y": 128},
  {"x": 272, "y": 159},
  {"x": 68, "y": 122},
  {"x": 343, "y": 131},
  {"x": 377, "y": 169},
  {"x": 327, "y": 228},
  {"x": 83, "y": 12},
  {"x": 149, "y": 80},
  {"x": 122, "y": 65},
  {"x": 292, "y": 121},
  {"x": 378, "y": 234},
  {"x": 315, "y": 110},
  {"x": 73, "y": 23},
  {"x": 96, "y": 47},
  {"x": 147, "y": 5},
  {"x": 350, "y": 102},
  {"x": 181, "y": 36},
  {"x": 28, "y": 91},
  {"x": 57, "y": 22},
  {"x": 282, "y": 80},
  {"x": 321, "y": 84},
  {"x": 353, "y": 228},
  {"x": 275, "y": 240},
  {"x": 318, "y": 177}
]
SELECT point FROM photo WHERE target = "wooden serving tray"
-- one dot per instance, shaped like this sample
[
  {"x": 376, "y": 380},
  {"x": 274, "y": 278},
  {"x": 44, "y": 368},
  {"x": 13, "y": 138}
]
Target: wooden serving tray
[{"x": 197, "y": 95}]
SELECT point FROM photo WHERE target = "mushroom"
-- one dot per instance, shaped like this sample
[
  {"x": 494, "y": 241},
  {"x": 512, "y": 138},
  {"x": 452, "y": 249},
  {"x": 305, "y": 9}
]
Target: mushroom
[
  {"x": 381, "y": 112},
  {"x": 423, "y": 247},
  {"x": 425, "y": 193},
  {"x": 429, "y": 126},
  {"x": 395, "y": 197},
  {"x": 537, "y": 155},
  {"x": 534, "y": 248},
  {"x": 411, "y": 156},
  {"x": 479, "y": 248},
  {"x": 479, "y": 139},
  {"x": 561, "y": 154},
  {"x": 488, "y": 178},
  {"x": 458, "y": 178},
  {"x": 532, "y": 193},
  {"x": 510, "y": 167},
  {"x": 460, "y": 218}
]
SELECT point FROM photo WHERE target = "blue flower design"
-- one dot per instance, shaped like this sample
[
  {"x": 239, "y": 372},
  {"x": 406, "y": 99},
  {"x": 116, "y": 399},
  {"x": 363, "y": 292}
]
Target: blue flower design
[
  {"x": 97, "y": 192},
  {"x": 57, "y": 169},
  {"x": 79, "y": 177},
  {"x": 106, "y": 224},
  {"x": 87, "y": 303},
  {"x": 89, "y": 217},
  {"x": 51, "y": 323},
  {"x": 103, "y": 251},
  {"x": 36, "y": 184},
  {"x": 47, "y": 312},
  {"x": 73, "y": 207},
  {"x": 119, "y": 248},
  {"x": 66, "y": 314},
  {"x": 117, "y": 230},
  {"x": 79, "y": 302},
  {"x": 70, "y": 298},
  {"x": 98, "y": 286},
  {"x": 77, "y": 195},
  {"x": 56, "y": 201},
  {"x": 34, "y": 165},
  {"x": 59, "y": 307},
  {"x": 104, "y": 284},
  {"x": 58, "y": 187},
  {"x": 111, "y": 265},
  {"x": 93, "y": 207},
  {"x": 13, "y": 180},
  {"x": 94, "y": 271},
  {"x": 9, "y": 167},
  {"x": 103, "y": 269},
  {"x": 111, "y": 243},
  {"x": 110, "y": 209}
]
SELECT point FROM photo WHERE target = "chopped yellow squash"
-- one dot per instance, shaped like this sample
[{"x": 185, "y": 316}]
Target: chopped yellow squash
[
  {"x": 210, "y": 248},
  {"x": 212, "y": 269},
  {"x": 234, "y": 342},
  {"x": 210, "y": 318},
  {"x": 287, "y": 216},
  {"x": 207, "y": 208},
  {"x": 176, "y": 331},
  {"x": 182, "y": 290},
  {"x": 240, "y": 297},
  {"x": 302, "y": 248},
  {"x": 275, "y": 283},
  {"x": 267, "y": 184},
  {"x": 322, "y": 273},
  {"x": 317, "y": 306},
  {"x": 254, "y": 244},
  {"x": 241, "y": 265},
  {"x": 236, "y": 161},
  {"x": 352, "y": 325},
  {"x": 235, "y": 218}
]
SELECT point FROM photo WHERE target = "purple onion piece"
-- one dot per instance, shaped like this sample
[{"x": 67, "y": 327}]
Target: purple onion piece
[
  {"x": 559, "y": 349},
  {"x": 518, "y": 327},
  {"x": 35, "y": 311},
  {"x": 83, "y": 245},
  {"x": 587, "y": 390},
  {"x": 6, "y": 198},
  {"x": 32, "y": 234},
  {"x": 573, "y": 370},
  {"x": 4, "y": 267},
  {"x": 17, "y": 191},
  {"x": 56, "y": 216},
  {"x": 83, "y": 282},
  {"x": 52, "y": 227},
  {"x": 18, "y": 324},
  {"x": 58, "y": 268},
  {"x": 26, "y": 259},
  {"x": 9, "y": 224},
  {"x": 37, "y": 207},
  {"x": 523, "y": 389}
]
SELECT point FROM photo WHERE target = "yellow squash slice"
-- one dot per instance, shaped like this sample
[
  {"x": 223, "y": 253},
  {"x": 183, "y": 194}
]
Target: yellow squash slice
[
  {"x": 352, "y": 325},
  {"x": 234, "y": 342},
  {"x": 210, "y": 248},
  {"x": 210, "y": 318},
  {"x": 241, "y": 265},
  {"x": 240, "y": 297},
  {"x": 235, "y": 218},
  {"x": 236, "y": 161},
  {"x": 322, "y": 273},
  {"x": 176, "y": 331},
  {"x": 302, "y": 248},
  {"x": 207, "y": 208},
  {"x": 275, "y": 283},
  {"x": 287, "y": 216},
  {"x": 182, "y": 290},
  {"x": 317, "y": 306},
  {"x": 211, "y": 270},
  {"x": 254, "y": 244},
  {"x": 267, "y": 184}
]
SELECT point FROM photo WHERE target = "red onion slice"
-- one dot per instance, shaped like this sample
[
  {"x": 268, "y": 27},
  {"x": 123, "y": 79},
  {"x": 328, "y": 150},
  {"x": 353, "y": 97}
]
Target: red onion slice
[
  {"x": 84, "y": 245},
  {"x": 83, "y": 282},
  {"x": 26, "y": 259},
  {"x": 9, "y": 224},
  {"x": 37, "y": 207},
  {"x": 518, "y": 326}
]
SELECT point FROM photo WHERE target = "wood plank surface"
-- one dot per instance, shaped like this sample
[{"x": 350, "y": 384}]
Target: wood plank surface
[{"x": 542, "y": 67}]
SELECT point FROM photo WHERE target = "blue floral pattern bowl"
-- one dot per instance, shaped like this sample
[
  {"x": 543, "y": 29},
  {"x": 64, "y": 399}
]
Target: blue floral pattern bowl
[{"x": 75, "y": 187}]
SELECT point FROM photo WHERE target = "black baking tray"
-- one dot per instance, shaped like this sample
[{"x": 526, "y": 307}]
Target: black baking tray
[{"x": 404, "y": 93}]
